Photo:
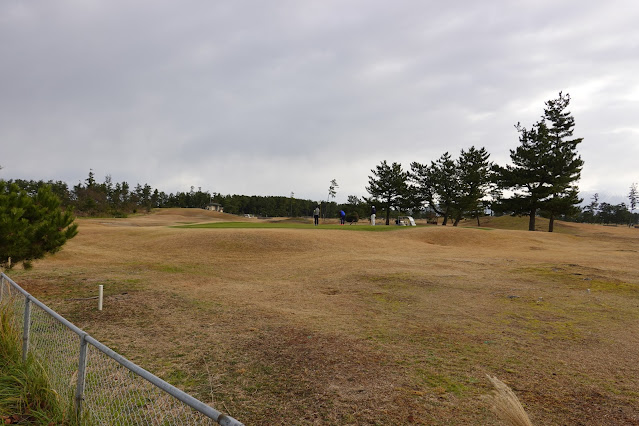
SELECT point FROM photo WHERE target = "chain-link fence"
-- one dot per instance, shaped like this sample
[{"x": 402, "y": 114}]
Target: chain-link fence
[{"x": 101, "y": 386}]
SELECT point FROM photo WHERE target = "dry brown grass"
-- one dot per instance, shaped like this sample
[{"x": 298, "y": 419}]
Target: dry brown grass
[
  {"x": 313, "y": 326},
  {"x": 505, "y": 404}
]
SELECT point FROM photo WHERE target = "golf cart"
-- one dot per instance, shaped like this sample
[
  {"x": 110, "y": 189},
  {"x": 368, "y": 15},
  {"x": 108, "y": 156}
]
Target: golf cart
[{"x": 405, "y": 221}]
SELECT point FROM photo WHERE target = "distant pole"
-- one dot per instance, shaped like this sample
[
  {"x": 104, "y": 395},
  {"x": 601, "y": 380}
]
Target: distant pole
[
  {"x": 100, "y": 295},
  {"x": 292, "y": 203}
]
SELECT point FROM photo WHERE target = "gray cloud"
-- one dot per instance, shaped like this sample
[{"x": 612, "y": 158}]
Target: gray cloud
[{"x": 268, "y": 98}]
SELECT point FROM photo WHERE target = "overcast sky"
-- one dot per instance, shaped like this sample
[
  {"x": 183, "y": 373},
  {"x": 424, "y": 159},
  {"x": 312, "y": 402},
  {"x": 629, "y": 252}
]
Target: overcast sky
[{"x": 274, "y": 97}]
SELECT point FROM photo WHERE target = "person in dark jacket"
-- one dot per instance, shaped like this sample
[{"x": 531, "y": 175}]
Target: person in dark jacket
[{"x": 316, "y": 214}]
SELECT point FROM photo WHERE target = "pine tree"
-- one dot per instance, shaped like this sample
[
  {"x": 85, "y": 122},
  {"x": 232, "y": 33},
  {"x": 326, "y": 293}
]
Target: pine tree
[
  {"x": 331, "y": 193},
  {"x": 528, "y": 176},
  {"x": 633, "y": 197},
  {"x": 437, "y": 184},
  {"x": 473, "y": 178},
  {"x": 591, "y": 210},
  {"x": 31, "y": 226},
  {"x": 565, "y": 163},
  {"x": 388, "y": 183},
  {"x": 545, "y": 166}
]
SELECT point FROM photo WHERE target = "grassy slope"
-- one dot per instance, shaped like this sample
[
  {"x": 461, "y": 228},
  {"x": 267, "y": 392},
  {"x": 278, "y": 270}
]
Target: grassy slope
[
  {"x": 303, "y": 326},
  {"x": 290, "y": 225}
]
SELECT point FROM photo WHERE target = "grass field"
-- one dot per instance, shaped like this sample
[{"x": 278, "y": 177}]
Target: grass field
[
  {"x": 302, "y": 325},
  {"x": 290, "y": 225}
]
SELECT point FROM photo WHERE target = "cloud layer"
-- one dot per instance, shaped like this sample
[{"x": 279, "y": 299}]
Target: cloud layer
[{"x": 273, "y": 97}]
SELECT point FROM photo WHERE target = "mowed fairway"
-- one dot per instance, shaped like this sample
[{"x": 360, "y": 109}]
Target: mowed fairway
[{"x": 326, "y": 326}]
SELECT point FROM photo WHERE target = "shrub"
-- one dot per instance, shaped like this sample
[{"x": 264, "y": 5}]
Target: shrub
[{"x": 352, "y": 217}]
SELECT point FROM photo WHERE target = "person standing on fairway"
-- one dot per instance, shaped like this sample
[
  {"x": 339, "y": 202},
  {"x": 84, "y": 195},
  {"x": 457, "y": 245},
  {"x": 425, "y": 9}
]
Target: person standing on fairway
[
  {"x": 342, "y": 217},
  {"x": 373, "y": 211},
  {"x": 316, "y": 213}
]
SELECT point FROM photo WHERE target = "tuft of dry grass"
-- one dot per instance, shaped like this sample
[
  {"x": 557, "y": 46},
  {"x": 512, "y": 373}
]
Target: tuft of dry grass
[{"x": 505, "y": 404}]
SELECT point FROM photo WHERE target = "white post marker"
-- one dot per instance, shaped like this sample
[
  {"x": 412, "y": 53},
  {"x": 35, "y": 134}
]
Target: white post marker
[{"x": 101, "y": 293}]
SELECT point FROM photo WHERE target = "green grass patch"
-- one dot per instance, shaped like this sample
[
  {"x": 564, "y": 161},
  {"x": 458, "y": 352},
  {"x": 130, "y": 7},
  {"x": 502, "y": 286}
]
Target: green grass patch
[
  {"x": 388, "y": 301},
  {"x": 182, "y": 379},
  {"x": 442, "y": 383},
  {"x": 172, "y": 269},
  {"x": 290, "y": 225},
  {"x": 538, "y": 325},
  {"x": 574, "y": 277}
]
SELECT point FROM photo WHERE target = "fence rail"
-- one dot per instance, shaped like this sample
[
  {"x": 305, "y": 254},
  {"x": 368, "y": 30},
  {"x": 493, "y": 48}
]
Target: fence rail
[{"x": 100, "y": 385}]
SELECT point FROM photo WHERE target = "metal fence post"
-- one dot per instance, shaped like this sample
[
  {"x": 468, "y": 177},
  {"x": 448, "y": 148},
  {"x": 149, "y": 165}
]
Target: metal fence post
[
  {"x": 82, "y": 368},
  {"x": 1, "y": 288},
  {"x": 27, "y": 326}
]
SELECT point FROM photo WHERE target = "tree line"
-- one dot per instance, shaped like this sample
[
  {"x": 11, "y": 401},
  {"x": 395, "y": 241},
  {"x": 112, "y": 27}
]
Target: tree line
[
  {"x": 607, "y": 213},
  {"x": 541, "y": 179},
  {"x": 118, "y": 199}
]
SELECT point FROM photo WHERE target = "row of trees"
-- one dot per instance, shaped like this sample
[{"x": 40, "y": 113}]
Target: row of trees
[
  {"x": 93, "y": 198},
  {"x": 450, "y": 188},
  {"x": 606, "y": 213},
  {"x": 273, "y": 206},
  {"x": 541, "y": 179}
]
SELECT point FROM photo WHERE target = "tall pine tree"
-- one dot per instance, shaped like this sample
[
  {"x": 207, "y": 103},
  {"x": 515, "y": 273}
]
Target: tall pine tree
[
  {"x": 545, "y": 166},
  {"x": 565, "y": 164},
  {"x": 633, "y": 197},
  {"x": 528, "y": 176},
  {"x": 474, "y": 176},
  {"x": 388, "y": 184}
]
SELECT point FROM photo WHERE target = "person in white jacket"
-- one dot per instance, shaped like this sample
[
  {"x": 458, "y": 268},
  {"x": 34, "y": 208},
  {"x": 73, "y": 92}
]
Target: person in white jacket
[
  {"x": 373, "y": 211},
  {"x": 316, "y": 214}
]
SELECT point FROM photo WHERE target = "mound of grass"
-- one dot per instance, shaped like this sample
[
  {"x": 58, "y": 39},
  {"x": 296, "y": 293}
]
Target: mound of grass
[
  {"x": 25, "y": 394},
  {"x": 291, "y": 225},
  {"x": 515, "y": 223}
]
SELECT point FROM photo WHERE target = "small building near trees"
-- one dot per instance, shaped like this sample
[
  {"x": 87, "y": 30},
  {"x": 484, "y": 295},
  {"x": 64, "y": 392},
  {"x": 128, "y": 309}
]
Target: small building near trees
[{"x": 215, "y": 207}]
